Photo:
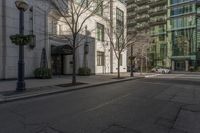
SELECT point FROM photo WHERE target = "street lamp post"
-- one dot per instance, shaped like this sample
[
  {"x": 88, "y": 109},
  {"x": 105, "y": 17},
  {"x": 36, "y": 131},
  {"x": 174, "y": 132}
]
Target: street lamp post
[
  {"x": 190, "y": 35},
  {"x": 22, "y": 6}
]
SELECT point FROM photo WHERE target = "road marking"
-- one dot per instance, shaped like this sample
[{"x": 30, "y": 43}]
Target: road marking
[
  {"x": 107, "y": 103},
  {"x": 154, "y": 75},
  {"x": 148, "y": 82}
]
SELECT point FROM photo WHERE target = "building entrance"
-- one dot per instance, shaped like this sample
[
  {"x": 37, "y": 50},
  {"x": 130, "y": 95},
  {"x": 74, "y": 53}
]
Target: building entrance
[
  {"x": 57, "y": 58},
  {"x": 180, "y": 65},
  {"x": 57, "y": 63}
]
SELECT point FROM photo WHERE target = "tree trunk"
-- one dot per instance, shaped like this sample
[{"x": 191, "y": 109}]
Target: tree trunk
[
  {"x": 74, "y": 63},
  {"x": 141, "y": 65},
  {"x": 118, "y": 64},
  {"x": 146, "y": 65},
  {"x": 118, "y": 70}
]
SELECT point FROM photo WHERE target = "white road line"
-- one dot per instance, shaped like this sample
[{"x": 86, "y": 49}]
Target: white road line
[
  {"x": 154, "y": 75},
  {"x": 106, "y": 103}
]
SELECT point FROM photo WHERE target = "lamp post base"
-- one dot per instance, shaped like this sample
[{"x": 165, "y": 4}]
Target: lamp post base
[{"x": 20, "y": 86}]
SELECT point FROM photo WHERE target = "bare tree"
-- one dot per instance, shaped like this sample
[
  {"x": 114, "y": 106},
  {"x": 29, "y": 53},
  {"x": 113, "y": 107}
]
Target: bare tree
[
  {"x": 140, "y": 49},
  {"x": 74, "y": 14},
  {"x": 119, "y": 42}
]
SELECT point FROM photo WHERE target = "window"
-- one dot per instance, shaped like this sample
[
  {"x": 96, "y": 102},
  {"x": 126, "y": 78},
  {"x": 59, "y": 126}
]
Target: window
[
  {"x": 83, "y": 3},
  {"x": 99, "y": 7},
  {"x": 119, "y": 19},
  {"x": 60, "y": 30},
  {"x": 100, "y": 32},
  {"x": 100, "y": 58},
  {"x": 52, "y": 26},
  {"x": 120, "y": 60},
  {"x": 120, "y": 26}
]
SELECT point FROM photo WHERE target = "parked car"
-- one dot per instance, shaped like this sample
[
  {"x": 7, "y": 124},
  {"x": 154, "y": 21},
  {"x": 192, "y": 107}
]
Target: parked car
[
  {"x": 161, "y": 70},
  {"x": 154, "y": 69}
]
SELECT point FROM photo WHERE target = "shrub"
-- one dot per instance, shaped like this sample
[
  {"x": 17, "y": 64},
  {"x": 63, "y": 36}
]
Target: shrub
[
  {"x": 84, "y": 71},
  {"x": 21, "y": 39},
  {"x": 43, "y": 73}
]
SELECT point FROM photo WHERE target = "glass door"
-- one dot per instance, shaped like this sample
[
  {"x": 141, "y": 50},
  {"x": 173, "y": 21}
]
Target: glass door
[
  {"x": 57, "y": 64},
  {"x": 180, "y": 65}
]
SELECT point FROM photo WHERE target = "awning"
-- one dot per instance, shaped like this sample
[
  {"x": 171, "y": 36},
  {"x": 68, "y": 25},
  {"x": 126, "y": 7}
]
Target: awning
[{"x": 61, "y": 50}]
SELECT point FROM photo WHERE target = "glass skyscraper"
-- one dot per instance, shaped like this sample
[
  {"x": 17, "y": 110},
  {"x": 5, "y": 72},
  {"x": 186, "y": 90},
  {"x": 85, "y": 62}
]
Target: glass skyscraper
[{"x": 175, "y": 28}]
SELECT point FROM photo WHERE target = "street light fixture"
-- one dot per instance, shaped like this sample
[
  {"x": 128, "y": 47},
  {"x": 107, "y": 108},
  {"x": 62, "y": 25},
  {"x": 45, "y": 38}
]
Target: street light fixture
[{"x": 22, "y": 6}]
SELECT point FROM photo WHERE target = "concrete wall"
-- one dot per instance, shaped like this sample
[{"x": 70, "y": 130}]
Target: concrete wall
[
  {"x": 121, "y": 6},
  {"x": 36, "y": 22},
  {"x": 32, "y": 56}
]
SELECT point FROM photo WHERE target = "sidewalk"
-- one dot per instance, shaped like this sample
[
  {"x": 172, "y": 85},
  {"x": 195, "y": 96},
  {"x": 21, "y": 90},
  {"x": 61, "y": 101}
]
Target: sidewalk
[
  {"x": 9, "y": 85},
  {"x": 40, "y": 87}
]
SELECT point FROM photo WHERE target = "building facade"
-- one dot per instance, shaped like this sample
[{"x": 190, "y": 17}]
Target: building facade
[
  {"x": 173, "y": 26},
  {"x": 158, "y": 31},
  {"x": 184, "y": 34},
  {"x": 40, "y": 21}
]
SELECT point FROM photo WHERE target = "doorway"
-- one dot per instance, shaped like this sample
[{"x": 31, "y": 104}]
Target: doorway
[
  {"x": 57, "y": 63},
  {"x": 180, "y": 65}
]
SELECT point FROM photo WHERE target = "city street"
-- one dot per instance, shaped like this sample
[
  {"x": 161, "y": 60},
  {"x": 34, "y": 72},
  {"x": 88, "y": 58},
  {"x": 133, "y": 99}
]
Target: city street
[
  {"x": 124, "y": 66},
  {"x": 161, "y": 104}
]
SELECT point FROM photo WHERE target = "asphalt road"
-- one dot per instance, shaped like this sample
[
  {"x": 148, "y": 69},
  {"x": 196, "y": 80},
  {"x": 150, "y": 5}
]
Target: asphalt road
[{"x": 150, "y": 105}]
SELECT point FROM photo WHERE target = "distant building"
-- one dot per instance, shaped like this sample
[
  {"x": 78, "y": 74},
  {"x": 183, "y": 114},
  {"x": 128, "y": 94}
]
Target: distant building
[
  {"x": 173, "y": 26},
  {"x": 49, "y": 35}
]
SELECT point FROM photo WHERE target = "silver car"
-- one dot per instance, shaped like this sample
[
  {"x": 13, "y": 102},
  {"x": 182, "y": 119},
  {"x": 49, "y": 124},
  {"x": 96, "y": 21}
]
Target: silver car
[{"x": 161, "y": 70}]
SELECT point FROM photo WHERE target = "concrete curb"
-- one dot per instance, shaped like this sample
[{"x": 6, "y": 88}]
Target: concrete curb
[{"x": 4, "y": 99}]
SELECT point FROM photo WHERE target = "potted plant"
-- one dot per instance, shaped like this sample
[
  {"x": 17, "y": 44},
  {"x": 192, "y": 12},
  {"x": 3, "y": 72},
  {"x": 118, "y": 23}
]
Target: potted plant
[{"x": 21, "y": 39}]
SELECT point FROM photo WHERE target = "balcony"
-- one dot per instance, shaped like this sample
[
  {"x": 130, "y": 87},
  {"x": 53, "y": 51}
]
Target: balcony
[
  {"x": 130, "y": 9},
  {"x": 131, "y": 15},
  {"x": 142, "y": 18},
  {"x": 155, "y": 3},
  {"x": 130, "y": 2},
  {"x": 131, "y": 30},
  {"x": 142, "y": 26},
  {"x": 142, "y": 9},
  {"x": 159, "y": 21},
  {"x": 179, "y": 3},
  {"x": 157, "y": 12},
  {"x": 131, "y": 24},
  {"x": 141, "y": 2}
]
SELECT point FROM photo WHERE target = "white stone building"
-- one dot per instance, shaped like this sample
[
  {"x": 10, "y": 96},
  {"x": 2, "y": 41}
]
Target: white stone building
[{"x": 38, "y": 21}]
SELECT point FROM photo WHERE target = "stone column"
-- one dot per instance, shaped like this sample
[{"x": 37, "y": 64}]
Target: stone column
[
  {"x": 186, "y": 65},
  {"x": 173, "y": 65}
]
